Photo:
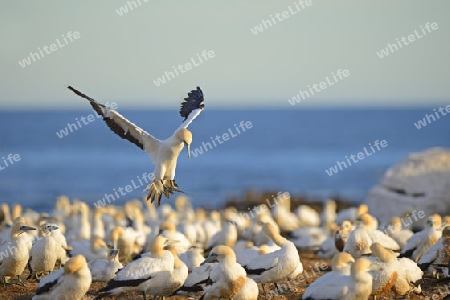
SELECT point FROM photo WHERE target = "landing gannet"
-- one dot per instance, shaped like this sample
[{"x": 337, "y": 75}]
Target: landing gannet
[
  {"x": 16, "y": 250},
  {"x": 68, "y": 283},
  {"x": 340, "y": 266},
  {"x": 356, "y": 286},
  {"x": 419, "y": 243},
  {"x": 438, "y": 254},
  {"x": 143, "y": 273},
  {"x": 275, "y": 266},
  {"x": 43, "y": 254},
  {"x": 104, "y": 270},
  {"x": 164, "y": 153}
]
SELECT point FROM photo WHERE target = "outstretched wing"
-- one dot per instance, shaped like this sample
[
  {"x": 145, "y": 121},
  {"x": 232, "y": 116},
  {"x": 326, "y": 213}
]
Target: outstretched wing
[
  {"x": 191, "y": 107},
  {"x": 123, "y": 127}
]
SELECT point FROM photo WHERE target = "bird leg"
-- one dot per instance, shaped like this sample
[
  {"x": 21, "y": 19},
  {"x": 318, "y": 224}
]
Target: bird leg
[
  {"x": 143, "y": 294},
  {"x": 173, "y": 187},
  {"x": 19, "y": 281},
  {"x": 264, "y": 290},
  {"x": 5, "y": 282}
]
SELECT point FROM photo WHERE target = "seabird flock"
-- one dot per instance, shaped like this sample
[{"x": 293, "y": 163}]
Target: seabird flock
[{"x": 164, "y": 251}]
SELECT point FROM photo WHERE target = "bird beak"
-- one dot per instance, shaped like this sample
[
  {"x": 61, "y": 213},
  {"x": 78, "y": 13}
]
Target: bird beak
[
  {"x": 171, "y": 242},
  {"x": 53, "y": 227},
  {"x": 188, "y": 149},
  {"x": 113, "y": 253},
  {"x": 26, "y": 228},
  {"x": 210, "y": 259}
]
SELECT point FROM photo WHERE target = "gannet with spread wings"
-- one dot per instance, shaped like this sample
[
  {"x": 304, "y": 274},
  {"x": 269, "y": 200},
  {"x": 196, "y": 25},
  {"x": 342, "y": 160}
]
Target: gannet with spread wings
[{"x": 164, "y": 153}]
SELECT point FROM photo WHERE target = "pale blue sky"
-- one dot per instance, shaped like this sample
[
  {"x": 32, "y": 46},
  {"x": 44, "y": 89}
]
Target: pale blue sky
[{"x": 117, "y": 58}]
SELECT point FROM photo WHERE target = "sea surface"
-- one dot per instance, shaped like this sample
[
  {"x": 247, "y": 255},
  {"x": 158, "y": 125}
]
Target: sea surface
[{"x": 283, "y": 150}]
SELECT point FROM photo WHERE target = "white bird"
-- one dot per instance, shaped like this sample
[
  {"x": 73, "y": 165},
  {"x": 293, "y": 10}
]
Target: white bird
[
  {"x": 437, "y": 255},
  {"x": 168, "y": 230},
  {"x": 144, "y": 273},
  {"x": 227, "y": 236},
  {"x": 68, "y": 283},
  {"x": 275, "y": 266},
  {"x": 171, "y": 281},
  {"x": 43, "y": 254},
  {"x": 419, "y": 243},
  {"x": 243, "y": 257},
  {"x": 340, "y": 266},
  {"x": 228, "y": 278},
  {"x": 356, "y": 286},
  {"x": 400, "y": 275},
  {"x": 164, "y": 154},
  {"x": 193, "y": 258},
  {"x": 399, "y": 234},
  {"x": 364, "y": 236},
  {"x": 16, "y": 250},
  {"x": 104, "y": 270}
]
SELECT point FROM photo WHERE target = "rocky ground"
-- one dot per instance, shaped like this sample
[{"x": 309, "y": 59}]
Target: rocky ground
[{"x": 432, "y": 289}]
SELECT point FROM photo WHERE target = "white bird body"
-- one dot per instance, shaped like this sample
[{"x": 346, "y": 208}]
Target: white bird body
[
  {"x": 61, "y": 249},
  {"x": 356, "y": 286},
  {"x": 192, "y": 258},
  {"x": 419, "y": 243},
  {"x": 14, "y": 254},
  {"x": 171, "y": 281},
  {"x": 341, "y": 264},
  {"x": 228, "y": 278},
  {"x": 399, "y": 275},
  {"x": 358, "y": 243},
  {"x": 43, "y": 254},
  {"x": 68, "y": 283},
  {"x": 275, "y": 266},
  {"x": 163, "y": 153},
  {"x": 249, "y": 291},
  {"x": 103, "y": 270},
  {"x": 309, "y": 237},
  {"x": 438, "y": 254},
  {"x": 144, "y": 273},
  {"x": 227, "y": 236}
]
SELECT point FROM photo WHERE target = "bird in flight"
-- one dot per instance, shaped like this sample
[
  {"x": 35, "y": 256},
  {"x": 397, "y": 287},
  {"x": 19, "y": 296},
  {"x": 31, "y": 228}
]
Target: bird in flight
[{"x": 164, "y": 153}]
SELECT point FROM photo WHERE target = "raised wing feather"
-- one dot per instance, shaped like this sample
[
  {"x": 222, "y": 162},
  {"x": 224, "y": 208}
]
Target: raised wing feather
[{"x": 123, "y": 127}]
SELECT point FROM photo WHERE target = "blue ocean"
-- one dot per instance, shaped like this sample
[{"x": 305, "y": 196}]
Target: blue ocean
[{"x": 282, "y": 150}]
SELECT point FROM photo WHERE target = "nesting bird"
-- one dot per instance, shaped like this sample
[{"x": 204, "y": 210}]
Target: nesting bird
[
  {"x": 340, "y": 266},
  {"x": 17, "y": 251},
  {"x": 68, "y": 283},
  {"x": 356, "y": 286},
  {"x": 275, "y": 266},
  {"x": 400, "y": 275},
  {"x": 438, "y": 255},
  {"x": 104, "y": 269},
  {"x": 228, "y": 278},
  {"x": 164, "y": 153},
  {"x": 419, "y": 243},
  {"x": 144, "y": 273}
]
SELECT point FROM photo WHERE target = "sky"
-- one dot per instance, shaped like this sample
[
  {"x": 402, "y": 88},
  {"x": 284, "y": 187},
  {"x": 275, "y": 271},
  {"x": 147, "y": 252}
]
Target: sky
[{"x": 118, "y": 56}]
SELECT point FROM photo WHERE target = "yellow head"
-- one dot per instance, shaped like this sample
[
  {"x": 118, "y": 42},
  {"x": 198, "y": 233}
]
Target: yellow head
[
  {"x": 74, "y": 264},
  {"x": 342, "y": 260},
  {"x": 219, "y": 253},
  {"x": 185, "y": 136}
]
